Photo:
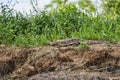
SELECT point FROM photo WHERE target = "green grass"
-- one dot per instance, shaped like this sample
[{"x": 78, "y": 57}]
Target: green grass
[{"x": 60, "y": 23}]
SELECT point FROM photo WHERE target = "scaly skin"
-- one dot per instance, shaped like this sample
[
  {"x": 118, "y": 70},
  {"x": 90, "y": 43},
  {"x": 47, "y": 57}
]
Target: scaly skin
[
  {"x": 66, "y": 42},
  {"x": 75, "y": 41}
]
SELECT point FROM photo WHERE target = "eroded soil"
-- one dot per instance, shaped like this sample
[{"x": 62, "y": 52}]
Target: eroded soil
[{"x": 95, "y": 62}]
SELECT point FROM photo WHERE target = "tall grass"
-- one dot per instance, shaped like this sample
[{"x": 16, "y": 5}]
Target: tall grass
[{"x": 60, "y": 23}]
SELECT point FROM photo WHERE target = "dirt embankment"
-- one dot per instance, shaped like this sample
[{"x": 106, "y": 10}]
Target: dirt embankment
[{"x": 96, "y": 61}]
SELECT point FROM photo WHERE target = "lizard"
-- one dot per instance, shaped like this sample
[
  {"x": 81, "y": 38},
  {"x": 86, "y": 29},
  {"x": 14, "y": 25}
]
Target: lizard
[{"x": 75, "y": 41}]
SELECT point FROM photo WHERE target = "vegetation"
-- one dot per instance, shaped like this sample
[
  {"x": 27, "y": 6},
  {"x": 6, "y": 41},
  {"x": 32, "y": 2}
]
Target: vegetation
[
  {"x": 82, "y": 46},
  {"x": 111, "y": 7},
  {"x": 66, "y": 21}
]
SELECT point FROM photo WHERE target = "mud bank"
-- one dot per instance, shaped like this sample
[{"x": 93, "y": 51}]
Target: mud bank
[{"x": 99, "y": 61}]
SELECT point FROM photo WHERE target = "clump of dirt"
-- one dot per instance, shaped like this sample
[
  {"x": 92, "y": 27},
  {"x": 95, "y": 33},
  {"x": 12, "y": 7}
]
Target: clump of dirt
[
  {"x": 11, "y": 58},
  {"x": 97, "y": 62}
]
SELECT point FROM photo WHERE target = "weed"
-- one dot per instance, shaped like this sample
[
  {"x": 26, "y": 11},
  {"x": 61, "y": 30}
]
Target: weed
[
  {"x": 82, "y": 46},
  {"x": 60, "y": 23}
]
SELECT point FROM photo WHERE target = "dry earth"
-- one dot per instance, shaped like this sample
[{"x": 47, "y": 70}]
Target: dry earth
[{"x": 98, "y": 60}]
